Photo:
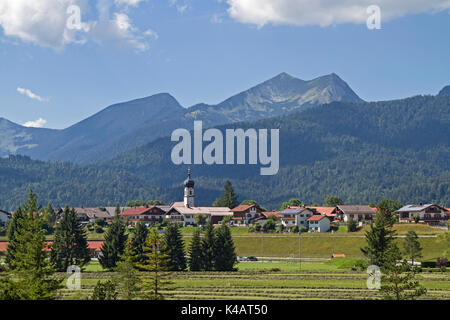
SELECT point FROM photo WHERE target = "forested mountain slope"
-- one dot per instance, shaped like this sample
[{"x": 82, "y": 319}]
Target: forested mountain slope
[{"x": 361, "y": 152}]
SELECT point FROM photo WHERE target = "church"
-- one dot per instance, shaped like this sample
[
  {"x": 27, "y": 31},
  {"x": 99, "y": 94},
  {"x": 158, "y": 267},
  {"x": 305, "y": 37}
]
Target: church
[{"x": 186, "y": 211}]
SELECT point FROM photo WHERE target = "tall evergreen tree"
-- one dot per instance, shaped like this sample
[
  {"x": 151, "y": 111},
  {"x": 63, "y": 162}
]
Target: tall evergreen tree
[
  {"x": 398, "y": 279},
  {"x": 114, "y": 244},
  {"x": 70, "y": 246},
  {"x": 140, "y": 235},
  {"x": 411, "y": 246},
  {"x": 228, "y": 199},
  {"x": 32, "y": 269},
  {"x": 156, "y": 265},
  {"x": 12, "y": 245},
  {"x": 208, "y": 244},
  {"x": 224, "y": 251},
  {"x": 380, "y": 238},
  {"x": 195, "y": 260},
  {"x": 128, "y": 280},
  {"x": 174, "y": 248}
]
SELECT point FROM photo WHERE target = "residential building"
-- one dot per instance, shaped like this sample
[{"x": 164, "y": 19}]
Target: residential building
[
  {"x": 318, "y": 223},
  {"x": 432, "y": 214},
  {"x": 90, "y": 214},
  {"x": 295, "y": 216},
  {"x": 359, "y": 213},
  {"x": 245, "y": 214},
  {"x": 146, "y": 214},
  {"x": 330, "y": 212}
]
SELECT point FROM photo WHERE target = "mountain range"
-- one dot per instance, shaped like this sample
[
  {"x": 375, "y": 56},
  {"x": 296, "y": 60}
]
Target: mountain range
[
  {"x": 131, "y": 124},
  {"x": 331, "y": 143}
]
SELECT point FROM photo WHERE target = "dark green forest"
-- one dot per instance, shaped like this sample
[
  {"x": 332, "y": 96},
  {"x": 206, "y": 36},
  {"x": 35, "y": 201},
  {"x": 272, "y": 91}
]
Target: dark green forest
[{"x": 361, "y": 152}]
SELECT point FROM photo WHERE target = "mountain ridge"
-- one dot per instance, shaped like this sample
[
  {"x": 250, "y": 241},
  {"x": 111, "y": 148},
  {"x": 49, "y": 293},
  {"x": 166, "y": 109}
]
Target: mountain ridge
[{"x": 129, "y": 124}]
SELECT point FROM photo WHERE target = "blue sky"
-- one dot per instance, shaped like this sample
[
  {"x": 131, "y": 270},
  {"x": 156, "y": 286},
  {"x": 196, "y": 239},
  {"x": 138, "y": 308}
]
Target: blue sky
[{"x": 206, "y": 51}]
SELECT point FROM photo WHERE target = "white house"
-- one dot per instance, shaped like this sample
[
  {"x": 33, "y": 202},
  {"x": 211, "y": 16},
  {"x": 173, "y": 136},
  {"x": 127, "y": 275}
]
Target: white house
[
  {"x": 427, "y": 213},
  {"x": 318, "y": 223},
  {"x": 295, "y": 216},
  {"x": 358, "y": 213}
]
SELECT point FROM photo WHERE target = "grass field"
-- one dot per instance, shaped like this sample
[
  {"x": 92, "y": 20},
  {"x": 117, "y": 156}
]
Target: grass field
[{"x": 255, "y": 280}]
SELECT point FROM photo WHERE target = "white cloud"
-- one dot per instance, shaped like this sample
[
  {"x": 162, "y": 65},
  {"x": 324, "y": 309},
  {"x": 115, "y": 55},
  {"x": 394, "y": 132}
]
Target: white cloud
[
  {"x": 39, "y": 123},
  {"x": 216, "y": 18},
  {"x": 181, "y": 8},
  {"x": 325, "y": 12},
  {"x": 132, "y": 3},
  {"x": 30, "y": 94},
  {"x": 45, "y": 22}
]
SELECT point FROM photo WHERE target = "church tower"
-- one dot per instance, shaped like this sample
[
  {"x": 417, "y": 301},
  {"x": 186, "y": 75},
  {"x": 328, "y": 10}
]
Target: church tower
[{"x": 189, "y": 191}]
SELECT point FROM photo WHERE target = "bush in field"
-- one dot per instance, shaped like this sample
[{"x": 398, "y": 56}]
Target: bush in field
[
  {"x": 104, "y": 291},
  {"x": 269, "y": 225},
  {"x": 352, "y": 225},
  {"x": 441, "y": 263}
]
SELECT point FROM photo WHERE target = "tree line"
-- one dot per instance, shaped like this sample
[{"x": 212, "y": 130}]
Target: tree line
[{"x": 142, "y": 260}]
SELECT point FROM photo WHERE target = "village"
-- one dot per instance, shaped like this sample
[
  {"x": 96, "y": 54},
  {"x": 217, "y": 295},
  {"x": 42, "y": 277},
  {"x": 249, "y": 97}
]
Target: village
[
  {"x": 247, "y": 240},
  {"x": 291, "y": 219}
]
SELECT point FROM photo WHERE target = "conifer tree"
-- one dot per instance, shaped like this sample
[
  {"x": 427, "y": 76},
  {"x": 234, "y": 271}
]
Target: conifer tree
[
  {"x": 224, "y": 251},
  {"x": 70, "y": 246},
  {"x": 12, "y": 241},
  {"x": 228, "y": 199},
  {"x": 156, "y": 266},
  {"x": 105, "y": 291},
  {"x": 398, "y": 279},
  {"x": 32, "y": 269},
  {"x": 195, "y": 260},
  {"x": 411, "y": 246},
  {"x": 138, "y": 241},
  {"x": 128, "y": 279},
  {"x": 114, "y": 244},
  {"x": 208, "y": 244},
  {"x": 379, "y": 238},
  {"x": 173, "y": 247}
]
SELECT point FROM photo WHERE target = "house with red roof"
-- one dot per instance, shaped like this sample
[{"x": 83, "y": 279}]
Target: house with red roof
[
  {"x": 318, "y": 223},
  {"x": 330, "y": 212},
  {"x": 146, "y": 214},
  {"x": 245, "y": 214}
]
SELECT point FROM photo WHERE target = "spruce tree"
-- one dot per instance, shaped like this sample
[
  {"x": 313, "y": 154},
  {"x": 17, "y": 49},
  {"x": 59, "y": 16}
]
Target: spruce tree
[
  {"x": 140, "y": 235},
  {"x": 70, "y": 246},
  {"x": 224, "y": 251},
  {"x": 380, "y": 238},
  {"x": 208, "y": 244},
  {"x": 411, "y": 246},
  {"x": 156, "y": 266},
  {"x": 32, "y": 267},
  {"x": 105, "y": 291},
  {"x": 398, "y": 279},
  {"x": 174, "y": 248},
  {"x": 228, "y": 199},
  {"x": 114, "y": 244},
  {"x": 12, "y": 241},
  {"x": 195, "y": 260},
  {"x": 128, "y": 280}
]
